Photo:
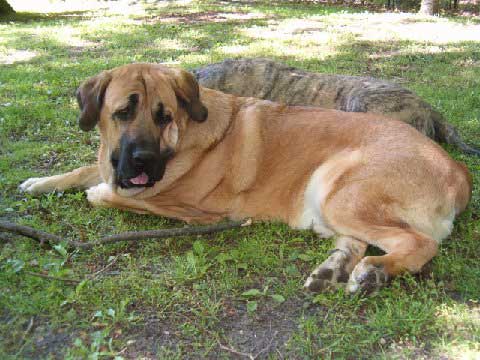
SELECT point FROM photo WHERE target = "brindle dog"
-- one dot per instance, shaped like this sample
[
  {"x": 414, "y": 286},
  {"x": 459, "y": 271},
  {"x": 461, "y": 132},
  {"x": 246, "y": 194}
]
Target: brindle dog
[{"x": 266, "y": 79}]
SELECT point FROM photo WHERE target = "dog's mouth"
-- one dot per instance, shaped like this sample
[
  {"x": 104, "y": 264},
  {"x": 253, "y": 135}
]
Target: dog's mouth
[{"x": 140, "y": 181}]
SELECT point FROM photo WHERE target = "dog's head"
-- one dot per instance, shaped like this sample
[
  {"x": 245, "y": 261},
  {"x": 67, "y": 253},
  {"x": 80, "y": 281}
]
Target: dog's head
[{"x": 142, "y": 111}]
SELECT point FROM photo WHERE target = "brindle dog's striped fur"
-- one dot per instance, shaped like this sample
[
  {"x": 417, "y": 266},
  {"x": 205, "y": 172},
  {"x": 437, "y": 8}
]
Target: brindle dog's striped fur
[{"x": 266, "y": 79}]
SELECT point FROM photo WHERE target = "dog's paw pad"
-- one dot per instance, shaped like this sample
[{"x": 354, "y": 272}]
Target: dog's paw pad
[
  {"x": 329, "y": 275},
  {"x": 321, "y": 279},
  {"x": 317, "y": 285},
  {"x": 367, "y": 278}
]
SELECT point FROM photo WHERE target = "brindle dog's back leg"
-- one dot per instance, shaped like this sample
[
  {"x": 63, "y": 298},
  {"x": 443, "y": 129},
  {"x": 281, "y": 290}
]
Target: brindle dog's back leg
[{"x": 81, "y": 178}]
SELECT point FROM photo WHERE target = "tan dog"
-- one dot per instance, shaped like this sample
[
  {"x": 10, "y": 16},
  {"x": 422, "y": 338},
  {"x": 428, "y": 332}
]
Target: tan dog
[{"x": 171, "y": 148}]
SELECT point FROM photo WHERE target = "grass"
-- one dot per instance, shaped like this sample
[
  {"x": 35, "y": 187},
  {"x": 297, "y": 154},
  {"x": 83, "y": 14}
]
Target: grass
[{"x": 181, "y": 298}]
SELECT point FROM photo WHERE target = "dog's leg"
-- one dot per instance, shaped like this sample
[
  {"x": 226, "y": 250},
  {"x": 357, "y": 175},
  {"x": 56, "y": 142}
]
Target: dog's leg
[
  {"x": 407, "y": 250},
  {"x": 81, "y": 178},
  {"x": 102, "y": 196},
  {"x": 337, "y": 267}
]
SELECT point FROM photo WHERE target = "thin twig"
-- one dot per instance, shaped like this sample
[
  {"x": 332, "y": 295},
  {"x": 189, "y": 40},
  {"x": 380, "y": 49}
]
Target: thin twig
[
  {"x": 29, "y": 327},
  {"x": 109, "y": 265},
  {"x": 122, "y": 351},
  {"x": 67, "y": 280},
  {"x": 248, "y": 355},
  {"x": 24, "y": 336},
  {"x": 44, "y": 237},
  {"x": 236, "y": 352},
  {"x": 268, "y": 346},
  {"x": 91, "y": 277}
]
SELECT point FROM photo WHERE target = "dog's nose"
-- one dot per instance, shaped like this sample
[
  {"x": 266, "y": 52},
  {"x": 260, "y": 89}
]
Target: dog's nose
[{"x": 142, "y": 158}]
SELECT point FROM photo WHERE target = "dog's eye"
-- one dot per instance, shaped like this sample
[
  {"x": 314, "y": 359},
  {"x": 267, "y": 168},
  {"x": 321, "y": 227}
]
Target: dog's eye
[
  {"x": 167, "y": 118},
  {"x": 162, "y": 117},
  {"x": 122, "y": 114},
  {"x": 128, "y": 110}
]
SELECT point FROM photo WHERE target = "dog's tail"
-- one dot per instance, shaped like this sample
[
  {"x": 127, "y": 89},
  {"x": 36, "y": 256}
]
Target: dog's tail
[{"x": 446, "y": 133}]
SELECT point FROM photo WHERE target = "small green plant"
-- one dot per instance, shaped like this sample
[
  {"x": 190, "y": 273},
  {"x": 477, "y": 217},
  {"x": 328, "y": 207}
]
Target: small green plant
[
  {"x": 193, "y": 265},
  {"x": 254, "y": 295},
  {"x": 99, "y": 346}
]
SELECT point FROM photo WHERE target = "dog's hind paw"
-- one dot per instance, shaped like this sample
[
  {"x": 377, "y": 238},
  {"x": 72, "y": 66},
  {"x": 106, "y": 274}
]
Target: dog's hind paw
[
  {"x": 330, "y": 274},
  {"x": 367, "y": 277}
]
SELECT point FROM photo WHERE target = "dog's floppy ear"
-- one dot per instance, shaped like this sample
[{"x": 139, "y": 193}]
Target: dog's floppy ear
[
  {"x": 188, "y": 94},
  {"x": 90, "y": 99}
]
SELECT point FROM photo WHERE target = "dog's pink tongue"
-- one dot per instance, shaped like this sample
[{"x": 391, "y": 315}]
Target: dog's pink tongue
[{"x": 141, "y": 179}]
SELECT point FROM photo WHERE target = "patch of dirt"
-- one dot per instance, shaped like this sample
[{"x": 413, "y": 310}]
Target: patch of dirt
[
  {"x": 48, "y": 160},
  {"x": 266, "y": 332},
  {"x": 36, "y": 340},
  {"x": 404, "y": 350},
  {"x": 259, "y": 335},
  {"x": 206, "y": 16},
  {"x": 151, "y": 337},
  {"x": 47, "y": 342},
  {"x": 462, "y": 299},
  {"x": 95, "y": 51}
]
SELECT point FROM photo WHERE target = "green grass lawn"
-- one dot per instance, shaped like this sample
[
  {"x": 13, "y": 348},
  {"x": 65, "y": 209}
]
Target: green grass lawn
[{"x": 194, "y": 297}]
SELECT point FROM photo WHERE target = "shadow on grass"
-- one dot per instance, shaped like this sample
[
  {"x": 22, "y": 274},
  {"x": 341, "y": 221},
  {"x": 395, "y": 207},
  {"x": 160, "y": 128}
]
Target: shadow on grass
[{"x": 28, "y": 17}]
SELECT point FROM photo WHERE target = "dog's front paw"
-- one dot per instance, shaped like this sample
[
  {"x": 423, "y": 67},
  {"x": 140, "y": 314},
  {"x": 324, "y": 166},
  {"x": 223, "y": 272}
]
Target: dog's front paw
[
  {"x": 36, "y": 186},
  {"x": 366, "y": 277},
  {"x": 99, "y": 195}
]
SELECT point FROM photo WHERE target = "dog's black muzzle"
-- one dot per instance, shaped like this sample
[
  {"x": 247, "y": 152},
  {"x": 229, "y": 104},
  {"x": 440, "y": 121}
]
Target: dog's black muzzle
[{"x": 139, "y": 162}]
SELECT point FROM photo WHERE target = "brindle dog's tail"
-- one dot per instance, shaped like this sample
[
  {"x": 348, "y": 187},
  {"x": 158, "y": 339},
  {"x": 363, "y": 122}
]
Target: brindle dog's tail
[{"x": 446, "y": 133}]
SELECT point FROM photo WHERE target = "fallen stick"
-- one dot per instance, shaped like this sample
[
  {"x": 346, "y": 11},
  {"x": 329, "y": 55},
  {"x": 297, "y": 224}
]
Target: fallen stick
[
  {"x": 39, "y": 235},
  {"x": 43, "y": 237}
]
